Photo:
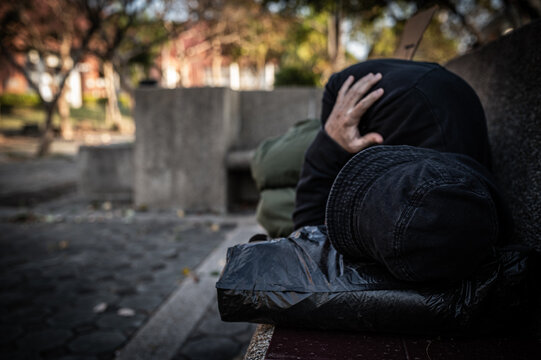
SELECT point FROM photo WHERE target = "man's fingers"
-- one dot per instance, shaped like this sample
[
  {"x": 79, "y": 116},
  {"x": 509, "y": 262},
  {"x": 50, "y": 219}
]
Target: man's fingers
[
  {"x": 366, "y": 141},
  {"x": 345, "y": 87},
  {"x": 365, "y": 103},
  {"x": 361, "y": 87}
]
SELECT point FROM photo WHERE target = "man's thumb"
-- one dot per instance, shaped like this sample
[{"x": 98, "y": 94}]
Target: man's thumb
[{"x": 368, "y": 140}]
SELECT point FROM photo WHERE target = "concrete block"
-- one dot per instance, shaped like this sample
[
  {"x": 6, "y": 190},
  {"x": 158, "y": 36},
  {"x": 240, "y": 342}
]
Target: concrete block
[
  {"x": 506, "y": 75},
  {"x": 182, "y": 138},
  {"x": 271, "y": 113},
  {"x": 106, "y": 172}
]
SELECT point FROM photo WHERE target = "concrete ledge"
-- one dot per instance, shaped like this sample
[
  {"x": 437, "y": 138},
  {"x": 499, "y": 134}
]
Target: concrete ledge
[
  {"x": 267, "y": 114},
  {"x": 182, "y": 138},
  {"x": 106, "y": 172},
  {"x": 239, "y": 160}
]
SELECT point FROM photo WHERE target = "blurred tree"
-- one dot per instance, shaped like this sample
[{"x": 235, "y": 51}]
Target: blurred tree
[
  {"x": 336, "y": 12},
  {"x": 53, "y": 36},
  {"x": 244, "y": 30},
  {"x": 305, "y": 49},
  {"x": 129, "y": 34},
  {"x": 466, "y": 24},
  {"x": 292, "y": 75}
]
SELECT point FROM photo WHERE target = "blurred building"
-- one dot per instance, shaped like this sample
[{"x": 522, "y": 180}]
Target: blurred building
[
  {"x": 84, "y": 80},
  {"x": 191, "y": 60}
]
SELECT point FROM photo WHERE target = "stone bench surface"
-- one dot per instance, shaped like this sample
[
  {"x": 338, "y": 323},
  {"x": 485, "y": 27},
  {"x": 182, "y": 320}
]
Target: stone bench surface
[{"x": 316, "y": 345}]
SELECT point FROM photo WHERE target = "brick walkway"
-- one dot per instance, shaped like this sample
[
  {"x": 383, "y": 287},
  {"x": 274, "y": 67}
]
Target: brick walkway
[
  {"x": 79, "y": 279},
  {"x": 82, "y": 285}
]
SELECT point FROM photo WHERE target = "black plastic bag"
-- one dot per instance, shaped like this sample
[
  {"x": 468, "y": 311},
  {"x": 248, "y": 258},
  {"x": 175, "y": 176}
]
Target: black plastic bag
[{"x": 301, "y": 281}]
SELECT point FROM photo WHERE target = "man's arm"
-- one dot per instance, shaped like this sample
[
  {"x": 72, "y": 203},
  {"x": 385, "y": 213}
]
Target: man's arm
[{"x": 333, "y": 147}]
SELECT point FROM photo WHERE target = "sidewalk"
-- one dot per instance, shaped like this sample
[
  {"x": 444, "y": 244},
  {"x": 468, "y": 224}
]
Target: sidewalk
[{"x": 79, "y": 280}]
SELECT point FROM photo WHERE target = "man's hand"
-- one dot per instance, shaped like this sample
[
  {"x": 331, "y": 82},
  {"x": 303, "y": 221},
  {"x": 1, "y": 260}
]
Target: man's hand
[{"x": 342, "y": 125}]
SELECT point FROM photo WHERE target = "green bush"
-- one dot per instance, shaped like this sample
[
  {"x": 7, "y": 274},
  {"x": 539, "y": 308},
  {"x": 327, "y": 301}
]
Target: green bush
[
  {"x": 124, "y": 100},
  {"x": 293, "y": 75},
  {"x": 92, "y": 100},
  {"x": 19, "y": 100}
]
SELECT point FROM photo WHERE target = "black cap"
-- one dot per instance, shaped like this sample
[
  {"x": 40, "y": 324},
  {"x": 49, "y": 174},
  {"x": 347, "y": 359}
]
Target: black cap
[{"x": 424, "y": 214}]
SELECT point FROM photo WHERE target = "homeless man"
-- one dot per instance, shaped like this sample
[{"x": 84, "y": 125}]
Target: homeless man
[{"x": 422, "y": 201}]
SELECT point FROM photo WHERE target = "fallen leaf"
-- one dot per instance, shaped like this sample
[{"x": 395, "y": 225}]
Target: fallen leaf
[
  {"x": 215, "y": 227},
  {"x": 188, "y": 273},
  {"x": 62, "y": 245},
  {"x": 181, "y": 213},
  {"x": 101, "y": 307},
  {"x": 126, "y": 312}
]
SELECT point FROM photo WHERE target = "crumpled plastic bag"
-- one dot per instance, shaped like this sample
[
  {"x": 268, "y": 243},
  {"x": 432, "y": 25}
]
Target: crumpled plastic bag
[{"x": 302, "y": 281}]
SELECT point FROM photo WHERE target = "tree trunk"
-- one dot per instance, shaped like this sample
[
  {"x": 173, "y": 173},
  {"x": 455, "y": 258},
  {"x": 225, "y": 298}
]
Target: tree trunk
[
  {"x": 334, "y": 47},
  {"x": 47, "y": 136},
  {"x": 113, "y": 118},
  {"x": 66, "y": 128},
  {"x": 216, "y": 63}
]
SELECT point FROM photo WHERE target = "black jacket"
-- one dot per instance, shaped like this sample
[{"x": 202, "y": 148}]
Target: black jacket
[{"x": 423, "y": 105}]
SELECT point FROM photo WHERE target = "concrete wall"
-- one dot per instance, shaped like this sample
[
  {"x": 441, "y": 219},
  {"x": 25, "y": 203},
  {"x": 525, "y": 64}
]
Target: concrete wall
[
  {"x": 183, "y": 137},
  {"x": 106, "y": 172},
  {"x": 506, "y": 74},
  {"x": 271, "y": 113}
]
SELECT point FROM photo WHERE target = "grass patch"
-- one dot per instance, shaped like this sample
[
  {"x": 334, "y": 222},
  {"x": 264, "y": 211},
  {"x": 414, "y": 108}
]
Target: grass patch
[{"x": 92, "y": 114}]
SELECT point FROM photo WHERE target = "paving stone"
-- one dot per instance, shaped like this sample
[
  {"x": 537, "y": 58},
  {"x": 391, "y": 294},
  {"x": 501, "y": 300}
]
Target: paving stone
[
  {"x": 91, "y": 300},
  {"x": 7, "y": 263},
  {"x": 124, "y": 289},
  {"x": 136, "y": 255},
  {"x": 122, "y": 265},
  {"x": 86, "y": 288},
  {"x": 99, "y": 342},
  {"x": 145, "y": 302},
  {"x": 114, "y": 321},
  {"x": 134, "y": 265},
  {"x": 218, "y": 327},
  {"x": 9, "y": 333},
  {"x": 157, "y": 287},
  {"x": 43, "y": 340},
  {"x": 71, "y": 318},
  {"x": 40, "y": 285},
  {"x": 56, "y": 299},
  {"x": 54, "y": 353},
  {"x": 170, "y": 253},
  {"x": 26, "y": 315},
  {"x": 10, "y": 280},
  {"x": 24, "y": 354},
  {"x": 84, "y": 328},
  {"x": 213, "y": 325},
  {"x": 142, "y": 278},
  {"x": 9, "y": 299},
  {"x": 216, "y": 348},
  {"x": 158, "y": 266},
  {"x": 100, "y": 276},
  {"x": 245, "y": 336}
]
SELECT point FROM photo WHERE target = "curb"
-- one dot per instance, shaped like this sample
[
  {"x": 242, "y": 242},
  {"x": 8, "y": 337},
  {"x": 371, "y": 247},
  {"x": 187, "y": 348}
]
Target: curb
[{"x": 163, "y": 335}]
